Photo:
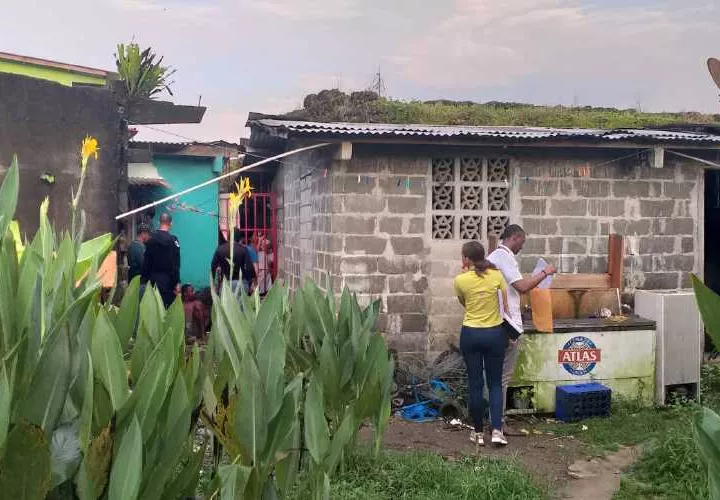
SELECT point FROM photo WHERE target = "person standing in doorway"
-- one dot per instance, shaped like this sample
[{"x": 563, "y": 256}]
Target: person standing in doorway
[
  {"x": 162, "y": 261},
  {"x": 483, "y": 339},
  {"x": 136, "y": 251},
  {"x": 503, "y": 257},
  {"x": 242, "y": 267}
]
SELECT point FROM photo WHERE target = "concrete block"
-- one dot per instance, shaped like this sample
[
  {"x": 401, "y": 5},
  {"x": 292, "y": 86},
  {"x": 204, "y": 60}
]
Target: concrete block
[
  {"x": 660, "y": 281},
  {"x": 540, "y": 187},
  {"x": 568, "y": 207},
  {"x": 675, "y": 263},
  {"x": 657, "y": 244},
  {"x": 535, "y": 245},
  {"x": 414, "y": 323},
  {"x": 591, "y": 189},
  {"x": 368, "y": 245},
  {"x": 412, "y": 245},
  {"x": 358, "y": 265},
  {"x": 400, "y": 304},
  {"x": 533, "y": 206},
  {"x": 575, "y": 245},
  {"x": 606, "y": 208},
  {"x": 392, "y": 225},
  {"x": 354, "y": 224},
  {"x": 678, "y": 189},
  {"x": 657, "y": 208},
  {"x": 398, "y": 265},
  {"x": 578, "y": 226},
  {"x": 688, "y": 245},
  {"x": 678, "y": 225},
  {"x": 363, "y": 203},
  {"x": 538, "y": 226},
  {"x": 408, "y": 342},
  {"x": 631, "y": 227},
  {"x": 365, "y": 284},
  {"x": 406, "y": 204},
  {"x": 631, "y": 189},
  {"x": 417, "y": 225}
]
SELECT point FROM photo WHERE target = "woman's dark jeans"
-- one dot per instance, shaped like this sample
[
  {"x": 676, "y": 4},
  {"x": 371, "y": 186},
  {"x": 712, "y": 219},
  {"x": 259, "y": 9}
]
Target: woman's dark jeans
[{"x": 484, "y": 349}]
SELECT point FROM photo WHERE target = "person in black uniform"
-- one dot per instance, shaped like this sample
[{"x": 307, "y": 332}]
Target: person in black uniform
[
  {"x": 161, "y": 266},
  {"x": 242, "y": 264}
]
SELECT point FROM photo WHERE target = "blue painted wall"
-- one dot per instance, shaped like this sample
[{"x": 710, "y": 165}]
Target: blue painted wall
[{"x": 197, "y": 232}]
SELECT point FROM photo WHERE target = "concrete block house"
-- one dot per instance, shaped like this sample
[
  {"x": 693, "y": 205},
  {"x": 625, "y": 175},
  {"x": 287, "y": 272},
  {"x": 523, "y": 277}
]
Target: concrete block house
[{"x": 384, "y": 209}]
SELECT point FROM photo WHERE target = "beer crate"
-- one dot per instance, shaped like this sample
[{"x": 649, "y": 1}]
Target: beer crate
[{"x": 580, "y": 401}]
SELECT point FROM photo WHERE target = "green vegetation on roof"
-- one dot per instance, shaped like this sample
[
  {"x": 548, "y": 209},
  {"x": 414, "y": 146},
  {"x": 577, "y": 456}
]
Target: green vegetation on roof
[{"x": 365, "y": 106}]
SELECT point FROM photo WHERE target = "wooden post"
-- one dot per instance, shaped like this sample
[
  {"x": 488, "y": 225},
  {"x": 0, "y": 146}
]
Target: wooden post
[
  {"x": 615, "y": 260},
  {"x": 492, "y": 244}
]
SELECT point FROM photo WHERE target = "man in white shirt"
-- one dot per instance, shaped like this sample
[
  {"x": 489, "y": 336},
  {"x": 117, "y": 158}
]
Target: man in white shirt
[{"x": 513, "y": 239}]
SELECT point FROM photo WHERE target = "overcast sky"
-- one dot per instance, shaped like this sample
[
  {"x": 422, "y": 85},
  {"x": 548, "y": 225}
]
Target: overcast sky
[{"x": 265, "y": 55}]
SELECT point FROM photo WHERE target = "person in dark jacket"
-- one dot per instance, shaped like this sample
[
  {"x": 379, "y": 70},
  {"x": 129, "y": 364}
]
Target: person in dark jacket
[
  {"x": 162, "y": 261},
  {"x": 242, "y": 264},
  {"x": 136, "y": 251}
]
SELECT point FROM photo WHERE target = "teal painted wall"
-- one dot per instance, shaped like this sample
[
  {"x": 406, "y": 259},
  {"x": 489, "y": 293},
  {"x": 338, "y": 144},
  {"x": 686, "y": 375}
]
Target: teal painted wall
[{"x": 197, "y": 232}]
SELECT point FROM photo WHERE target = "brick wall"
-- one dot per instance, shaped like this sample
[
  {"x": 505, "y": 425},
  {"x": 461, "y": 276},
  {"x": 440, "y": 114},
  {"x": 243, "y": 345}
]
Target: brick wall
[
  {"x": 568, "y": 218},
  {"x": 304, "y": 200},
  {"x": 367, "y": 222}
]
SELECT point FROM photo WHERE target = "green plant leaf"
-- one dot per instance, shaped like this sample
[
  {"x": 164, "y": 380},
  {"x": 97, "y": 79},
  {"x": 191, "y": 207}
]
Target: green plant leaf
[
  {"x": 92, "y": 251},
  {"x": 250, "y": 421},
  {"x": 185, "y": 482},
  {"x": 127, "y": 466},
  {"x": 267, "y": 317},
  {"x": 281, "y": 430},
  {"x": 25, "y": 472},
  {"x": 319, "y": 317},
  {"x": 127, "y": 313},
  {"x": 709, "y": 305},
  {"x": 340, "y": 440},
  {"x": 233, "y": 479},
  {"x": 86, "y": 412},
  {"x": 9, "y": 190},
  {"x": 5, "y": 401},
  {"x": 108, "y": 360},
  {"x": 271, "y": 363},
  {"x": 706, "y": 430},
  {"x": 50, "y": 383},
  {"x": 317, "y": 434}
]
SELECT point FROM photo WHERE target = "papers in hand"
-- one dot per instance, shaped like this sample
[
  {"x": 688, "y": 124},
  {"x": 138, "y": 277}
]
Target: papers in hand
[{"x": 542, "y": 264}]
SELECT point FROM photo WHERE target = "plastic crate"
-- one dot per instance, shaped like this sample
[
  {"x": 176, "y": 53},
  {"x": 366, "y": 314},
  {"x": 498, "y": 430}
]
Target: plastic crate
[{"x": 579, "y": 401}]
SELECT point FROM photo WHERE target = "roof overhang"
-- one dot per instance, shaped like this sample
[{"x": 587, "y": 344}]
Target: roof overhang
[{"x": 145, "y": 175}]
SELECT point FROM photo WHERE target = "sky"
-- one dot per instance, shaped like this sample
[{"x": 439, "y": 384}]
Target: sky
[{"x": 265, "y": 55}]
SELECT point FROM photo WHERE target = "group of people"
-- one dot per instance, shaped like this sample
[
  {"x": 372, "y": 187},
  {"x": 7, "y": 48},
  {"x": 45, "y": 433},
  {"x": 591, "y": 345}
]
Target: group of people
[
  {"x": 489, "y": 289},
  {"x": 154, "y": 256}
]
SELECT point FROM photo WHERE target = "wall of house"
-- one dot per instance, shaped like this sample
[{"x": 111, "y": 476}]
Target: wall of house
[
  {"x": 56, "y": 75},
  {"x": 387, "y": 219},
  {"x": 197, "y": 232},
  {"x": 44, "y": 123},
  {"x": 304, "y": 204}
]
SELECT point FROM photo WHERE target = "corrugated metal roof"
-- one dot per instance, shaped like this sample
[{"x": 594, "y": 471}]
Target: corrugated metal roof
[
  {"x": 145, "y": 174},
  {"x": 508, "y": 133}
]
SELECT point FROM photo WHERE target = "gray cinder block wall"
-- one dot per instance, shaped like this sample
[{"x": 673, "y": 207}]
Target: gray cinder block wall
[{"x": 368, "y": 222}]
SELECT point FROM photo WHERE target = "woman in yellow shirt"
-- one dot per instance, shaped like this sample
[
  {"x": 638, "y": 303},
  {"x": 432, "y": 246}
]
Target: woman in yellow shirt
[{"x": 483, "y": 339}]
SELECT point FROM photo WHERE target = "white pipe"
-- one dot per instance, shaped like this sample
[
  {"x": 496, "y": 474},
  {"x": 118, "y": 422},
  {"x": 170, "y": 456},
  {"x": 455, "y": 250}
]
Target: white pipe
[
  {"x": 217, "y": 179},
  {"x": 701, "y": 160}
]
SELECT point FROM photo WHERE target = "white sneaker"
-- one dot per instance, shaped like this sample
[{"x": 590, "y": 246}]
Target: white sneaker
[
  {"x": 477, "y": 438},
  {"x": 498, "y": 437}
]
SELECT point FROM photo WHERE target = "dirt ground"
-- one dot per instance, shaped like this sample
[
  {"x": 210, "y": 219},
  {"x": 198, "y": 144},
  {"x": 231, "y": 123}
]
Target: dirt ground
[{"x": 563, "y": 464}]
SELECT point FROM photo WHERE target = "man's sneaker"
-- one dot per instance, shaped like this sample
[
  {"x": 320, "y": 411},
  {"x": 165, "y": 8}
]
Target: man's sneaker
[
  {"x": 477, "y": 438},
  {"x": 498, "y": 437}
]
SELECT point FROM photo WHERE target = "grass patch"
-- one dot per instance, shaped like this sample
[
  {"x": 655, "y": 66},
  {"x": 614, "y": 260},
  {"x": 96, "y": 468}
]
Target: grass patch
[
  {"x": 670, "y": 466},
  {"x": 427, "y": 476}
]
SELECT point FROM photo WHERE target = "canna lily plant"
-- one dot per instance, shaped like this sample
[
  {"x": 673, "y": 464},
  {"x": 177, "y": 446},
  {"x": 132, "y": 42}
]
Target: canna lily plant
[
  {"x": 706, "y": 425},
  {"x": 73, "y": 424}
]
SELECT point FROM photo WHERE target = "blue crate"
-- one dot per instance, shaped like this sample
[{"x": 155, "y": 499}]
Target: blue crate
[{"x": 579, "y": 401}]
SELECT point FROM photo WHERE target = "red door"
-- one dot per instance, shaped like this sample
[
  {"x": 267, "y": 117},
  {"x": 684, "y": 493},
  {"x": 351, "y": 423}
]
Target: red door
[{"x": 256, "y": 220}]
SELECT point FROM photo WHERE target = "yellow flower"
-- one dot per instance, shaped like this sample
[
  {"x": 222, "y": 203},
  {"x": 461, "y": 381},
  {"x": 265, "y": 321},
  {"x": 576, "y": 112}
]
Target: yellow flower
[
  {"x": 89, "y": 148},
  {"x": 242, "y": 190}
]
